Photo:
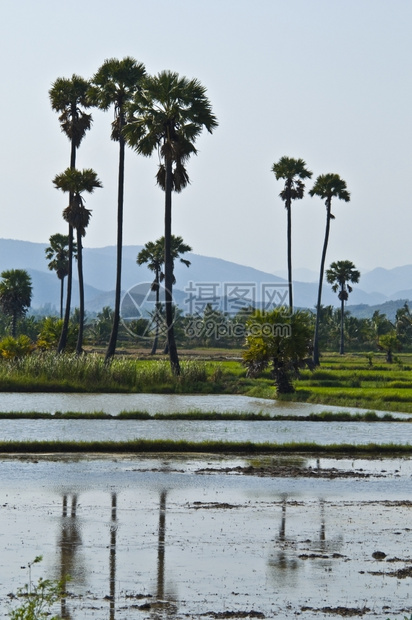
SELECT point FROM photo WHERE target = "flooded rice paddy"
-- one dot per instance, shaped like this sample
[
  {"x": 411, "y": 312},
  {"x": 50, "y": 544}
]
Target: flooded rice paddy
[
  {"x": 208, "y": 537},
  {"x": 189, "y": 538},
  {"x": 262, "y": 431},
  {"x": 158, "y": 403}
]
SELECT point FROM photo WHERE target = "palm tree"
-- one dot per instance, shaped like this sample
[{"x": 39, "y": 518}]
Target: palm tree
[
  {"x": 153, "y": 255},
  {"x": 339, "y": 274},
  {"x": 75, "y": 182},
  {"x": 115, "y": 83},
  {"x": 293, "y": 171},
  {"x": 15, "y": 295},
  {"x": 69, "y": 97},
  {"x": 58, "y": 255},
  {"x": 168, "y": 117},
  {"x": 327, "y": 186}
]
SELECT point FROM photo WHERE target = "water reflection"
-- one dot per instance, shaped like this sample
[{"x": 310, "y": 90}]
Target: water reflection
[
  {"x": 68, "y": 543},
  {"x": 284, "y": 561},
  {"x": 112, "y": 561}
]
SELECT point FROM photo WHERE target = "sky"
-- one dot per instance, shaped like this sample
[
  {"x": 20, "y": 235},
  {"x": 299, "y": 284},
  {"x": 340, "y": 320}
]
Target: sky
[{"x": 328, "y": 81}]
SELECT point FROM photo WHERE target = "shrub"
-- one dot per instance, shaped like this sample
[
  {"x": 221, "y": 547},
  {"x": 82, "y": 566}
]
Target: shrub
[{"x": 14, "y": 348}]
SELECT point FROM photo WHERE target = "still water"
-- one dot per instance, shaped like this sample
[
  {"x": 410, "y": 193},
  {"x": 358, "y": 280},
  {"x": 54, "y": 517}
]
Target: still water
[
  {"x": 146, "y": 538},
  {"x": 156, "y": 403},
  {"x": 273, "y": 431}
]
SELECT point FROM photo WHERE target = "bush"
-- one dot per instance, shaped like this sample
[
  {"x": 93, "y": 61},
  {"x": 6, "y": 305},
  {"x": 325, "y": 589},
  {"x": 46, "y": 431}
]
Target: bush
[{"x": 14, "y": 348}]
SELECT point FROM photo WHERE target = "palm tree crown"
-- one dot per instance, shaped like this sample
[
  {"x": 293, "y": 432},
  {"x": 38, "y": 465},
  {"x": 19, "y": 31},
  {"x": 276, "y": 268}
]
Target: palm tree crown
[
  {"x": 76, "y": 182},
  {"x": 116, "y": 83},
  {"x": 57, "y": 253},
  {"x": 328, "y": 186},
  {"x": 69, "y": 96},
  {"x": 168, "y": 116},
  {"x": 153, "y": 255},
  {"x": 339, "y": 274},
  {"x": 293, "y": 172},
  {"x": 15, "y": 294}
]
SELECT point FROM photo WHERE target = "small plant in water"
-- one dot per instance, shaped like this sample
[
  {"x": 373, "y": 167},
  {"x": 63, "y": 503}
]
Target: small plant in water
[{"x": 38, "y": 598}]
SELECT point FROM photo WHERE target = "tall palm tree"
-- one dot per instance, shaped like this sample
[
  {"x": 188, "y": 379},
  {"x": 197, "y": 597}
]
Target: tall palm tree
[
  {"x": 115, "y": 83},
  {"x": 153, "y": 255},
  {"x": 70, "y": 97},
  {"x": 327, "y": 186},
  {"x": 15, "y": 295},
  {"x": 76, "y": 182},
  {"x": 58, "y": 255},
  {"x": 293, "y": 172},
  {"x": 339, "y": 274},
  {"x": 168, "y": 117}
]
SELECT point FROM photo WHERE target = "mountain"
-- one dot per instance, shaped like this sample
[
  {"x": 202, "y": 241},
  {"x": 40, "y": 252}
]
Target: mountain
[
  {"x": 206, "y": 280},
  {"x": 391, "y": 282}
]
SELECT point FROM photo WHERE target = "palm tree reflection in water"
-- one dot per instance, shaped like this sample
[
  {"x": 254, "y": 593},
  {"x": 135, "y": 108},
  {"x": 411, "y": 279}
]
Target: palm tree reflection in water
[
  {"x": 112, "y": 563},
  {"x": 68, "y": 543}
]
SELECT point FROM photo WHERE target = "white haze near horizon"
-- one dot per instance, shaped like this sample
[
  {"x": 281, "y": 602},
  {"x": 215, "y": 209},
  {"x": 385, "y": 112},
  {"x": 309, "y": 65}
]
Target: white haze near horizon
[{"x": 329, "y": 82}]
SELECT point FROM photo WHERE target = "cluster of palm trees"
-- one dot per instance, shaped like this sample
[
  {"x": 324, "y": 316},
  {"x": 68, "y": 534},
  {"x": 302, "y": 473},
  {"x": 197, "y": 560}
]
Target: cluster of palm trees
[
  {"x": 164, "y": 113},
  {"x": 327, "y": 186}
]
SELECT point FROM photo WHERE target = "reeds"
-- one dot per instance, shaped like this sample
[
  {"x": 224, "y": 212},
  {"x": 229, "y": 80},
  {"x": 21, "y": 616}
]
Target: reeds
[{"x": 51, "y": 372}]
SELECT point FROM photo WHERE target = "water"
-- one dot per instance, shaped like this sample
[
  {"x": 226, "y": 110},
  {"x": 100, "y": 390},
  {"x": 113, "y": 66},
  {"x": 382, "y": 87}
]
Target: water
[
  {"x": 199, "y": 430},
  {"x": 151, "y": 538},
  {"x": 158, "y": 403}
]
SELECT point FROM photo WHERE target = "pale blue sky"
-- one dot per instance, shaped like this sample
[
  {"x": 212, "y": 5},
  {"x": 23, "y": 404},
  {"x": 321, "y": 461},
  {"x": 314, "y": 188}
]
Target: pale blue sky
[{"x": 325, "y": 80}]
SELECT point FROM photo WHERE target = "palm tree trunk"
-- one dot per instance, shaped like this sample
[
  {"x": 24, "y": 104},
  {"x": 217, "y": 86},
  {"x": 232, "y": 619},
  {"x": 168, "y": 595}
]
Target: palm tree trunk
[
  {"x": 61, "y": 297},
  {"x": 342, "y": 309},
  {"x": 173, "y": 356},
  {"x": 316, "y": 360},
  {"x": 79, "y": 346},
  {"x": 289, "y": 233},
  {"x": 111, "y": 348},
  {"x": 157, "y": 315},
  {"x": 14, "y": 324}
]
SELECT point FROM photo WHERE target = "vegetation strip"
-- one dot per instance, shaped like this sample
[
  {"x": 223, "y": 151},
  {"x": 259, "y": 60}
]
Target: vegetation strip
[
  {"x": 325, "y": 416},
  {"x": 211, "y": 447}
]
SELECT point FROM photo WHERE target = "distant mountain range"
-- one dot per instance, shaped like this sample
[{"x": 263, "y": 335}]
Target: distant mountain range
[{"x": 206, "y": 277}]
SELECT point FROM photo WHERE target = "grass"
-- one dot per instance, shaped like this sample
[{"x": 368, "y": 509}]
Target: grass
[
  {"x": 161, "y": 446},
  {"x": 49, "y": 372},
  {"x": 325, "y": 416}
]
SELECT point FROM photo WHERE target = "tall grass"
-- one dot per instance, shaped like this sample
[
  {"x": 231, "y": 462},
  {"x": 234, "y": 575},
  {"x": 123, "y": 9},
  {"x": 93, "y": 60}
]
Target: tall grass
[{"x": 48, "y": 371}]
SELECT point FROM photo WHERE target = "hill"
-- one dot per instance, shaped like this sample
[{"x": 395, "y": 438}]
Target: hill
[{"x": 207, "y": 278}]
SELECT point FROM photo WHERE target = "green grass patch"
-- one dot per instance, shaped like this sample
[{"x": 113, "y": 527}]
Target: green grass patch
[
  {"x": 138, "y": 446},
  {"x": 194, "y": 416}
]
